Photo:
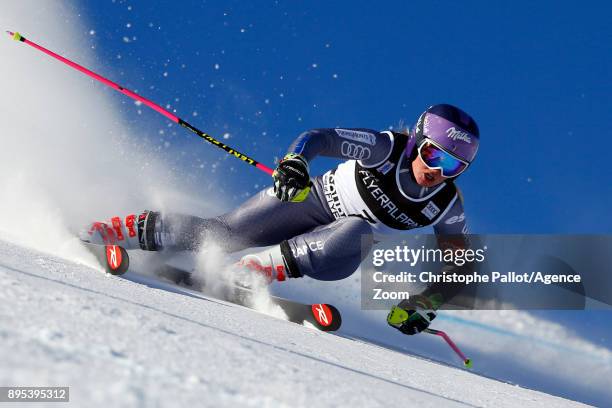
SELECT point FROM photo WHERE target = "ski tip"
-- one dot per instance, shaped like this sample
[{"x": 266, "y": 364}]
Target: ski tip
[
  {"x": 117, "y": 260},
  {"x": 468, "y": 363},
  {"x": 327, "y": 317},
  {"x": 114, "y": 258}
]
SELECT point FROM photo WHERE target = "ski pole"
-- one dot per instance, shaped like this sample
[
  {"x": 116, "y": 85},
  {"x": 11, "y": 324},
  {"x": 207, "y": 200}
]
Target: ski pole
[
  {"x": 18, "y": 37},
  {"x": 466, "y": 361}
]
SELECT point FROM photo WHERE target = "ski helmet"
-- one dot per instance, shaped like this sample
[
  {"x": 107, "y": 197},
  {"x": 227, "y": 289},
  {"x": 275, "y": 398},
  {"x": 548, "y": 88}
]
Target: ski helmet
[{"x": 450, "y": 128}]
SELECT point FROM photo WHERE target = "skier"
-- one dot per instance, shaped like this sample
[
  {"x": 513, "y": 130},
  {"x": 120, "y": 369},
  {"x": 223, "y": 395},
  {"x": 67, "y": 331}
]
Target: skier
[{"x": 323, "y": 227}]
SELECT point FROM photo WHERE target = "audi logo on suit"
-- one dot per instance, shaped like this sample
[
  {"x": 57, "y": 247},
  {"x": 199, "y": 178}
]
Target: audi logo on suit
[{"x": 355, "y": 151}]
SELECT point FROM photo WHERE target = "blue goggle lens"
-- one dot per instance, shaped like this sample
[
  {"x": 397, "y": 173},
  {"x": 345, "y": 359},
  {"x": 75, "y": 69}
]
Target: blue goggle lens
[{"x": 435, "y": 157}]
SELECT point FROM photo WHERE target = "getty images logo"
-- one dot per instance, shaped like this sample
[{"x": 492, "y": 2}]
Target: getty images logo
[{"x": 458, "y": 135}]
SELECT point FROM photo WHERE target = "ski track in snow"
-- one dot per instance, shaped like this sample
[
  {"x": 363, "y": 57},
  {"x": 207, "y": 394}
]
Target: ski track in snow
[{"x": 119, "y": 343}]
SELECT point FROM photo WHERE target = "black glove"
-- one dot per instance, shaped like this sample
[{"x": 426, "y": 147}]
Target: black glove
[
  {"x": 413, "y": 316},
  {"x": 291, "y": 179}
]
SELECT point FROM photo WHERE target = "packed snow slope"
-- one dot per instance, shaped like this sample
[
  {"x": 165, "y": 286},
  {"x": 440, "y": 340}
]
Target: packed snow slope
[{"x": 119, "y": 343}]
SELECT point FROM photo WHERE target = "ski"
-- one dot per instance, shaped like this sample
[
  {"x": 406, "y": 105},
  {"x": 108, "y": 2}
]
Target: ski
[
  {"x": 113, "y": 258},
  {"x": 323, "y": 316}
]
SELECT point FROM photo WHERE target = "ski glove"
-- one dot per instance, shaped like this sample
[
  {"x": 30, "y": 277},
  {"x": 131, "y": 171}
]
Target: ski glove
[
  {"x": 291, "y": 179},
  {"x": 412, "y": 316}
]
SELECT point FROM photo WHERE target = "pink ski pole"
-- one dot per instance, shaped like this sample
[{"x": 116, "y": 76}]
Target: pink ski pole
[
  {"x": 18, "y": 37},
  {"x": 466, "y": 361}
]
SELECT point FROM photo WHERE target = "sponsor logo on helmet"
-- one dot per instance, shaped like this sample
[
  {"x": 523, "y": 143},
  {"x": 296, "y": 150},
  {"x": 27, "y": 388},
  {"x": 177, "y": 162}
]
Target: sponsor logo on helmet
[
  {"x": 357, "y": 136},
  {"x": 426, "y": 122},
  {"x": 456, "y": 134},
  {"x": 322, "y": 314},
  {"x": 355, "y": 151},
  {"x": 419, "y": 123}
]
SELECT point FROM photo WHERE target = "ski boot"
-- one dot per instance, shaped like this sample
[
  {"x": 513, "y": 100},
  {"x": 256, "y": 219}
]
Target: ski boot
[
  {"x": 268, "y": 266},
  {"x": 131, "y": 232}
]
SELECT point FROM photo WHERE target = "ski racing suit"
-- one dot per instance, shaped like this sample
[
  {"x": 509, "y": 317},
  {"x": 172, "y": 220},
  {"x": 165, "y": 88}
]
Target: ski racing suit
[{"x": 327, "y": 235}]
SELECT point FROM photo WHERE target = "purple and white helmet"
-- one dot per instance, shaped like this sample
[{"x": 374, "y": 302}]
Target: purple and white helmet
[{"x": 450, "y": 128}]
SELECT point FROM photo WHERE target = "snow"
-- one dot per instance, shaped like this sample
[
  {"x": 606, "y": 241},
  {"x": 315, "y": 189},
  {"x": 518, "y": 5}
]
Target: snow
[{"x": 119, "y": 343}]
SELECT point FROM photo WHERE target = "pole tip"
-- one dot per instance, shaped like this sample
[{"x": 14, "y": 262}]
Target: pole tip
[{"x": 468, "y": 363}]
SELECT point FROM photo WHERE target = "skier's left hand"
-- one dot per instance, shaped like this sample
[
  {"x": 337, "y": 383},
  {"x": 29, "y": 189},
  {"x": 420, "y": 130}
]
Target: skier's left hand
[{"x": 412, "y": 316}]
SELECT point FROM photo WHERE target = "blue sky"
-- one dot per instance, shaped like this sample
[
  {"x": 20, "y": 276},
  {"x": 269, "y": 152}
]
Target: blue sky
[{"x": 537, "y": 77}]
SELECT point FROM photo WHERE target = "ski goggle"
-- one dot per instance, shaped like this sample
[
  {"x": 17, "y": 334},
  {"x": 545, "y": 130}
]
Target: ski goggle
[{"x": 436, "y": 157}]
